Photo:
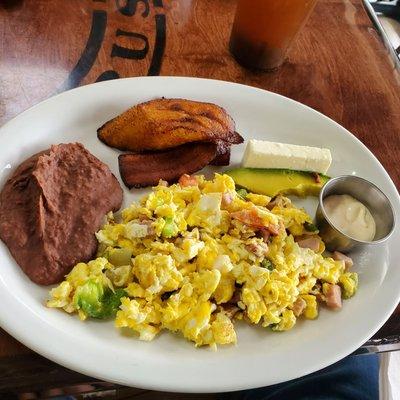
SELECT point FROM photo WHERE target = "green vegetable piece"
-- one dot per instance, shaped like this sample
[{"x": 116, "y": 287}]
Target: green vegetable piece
[
  {"x": 273, "y": 327},
  {"x": 242, "y": 193},
  {"x": 308, "y": 226},
  {"x": 170, "y": 229},
  {"x": 271, "y": 182},
  {"x": 267, "y": 264},
  {"x": 111, "y": 302},
  {"x": 87, "y": 298},
  {"x": 120, "y": 257},
  {"x": 349, "y": 284},
  {"x": 97, "y": 302}
]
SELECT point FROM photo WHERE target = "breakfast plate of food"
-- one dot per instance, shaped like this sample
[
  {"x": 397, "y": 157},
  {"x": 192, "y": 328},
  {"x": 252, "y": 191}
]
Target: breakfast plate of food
[{"x": 192, "y": 235}]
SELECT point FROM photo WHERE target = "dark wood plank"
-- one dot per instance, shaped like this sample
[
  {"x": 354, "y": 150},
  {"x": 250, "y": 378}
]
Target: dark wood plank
[{"x": 338, "y": 66}]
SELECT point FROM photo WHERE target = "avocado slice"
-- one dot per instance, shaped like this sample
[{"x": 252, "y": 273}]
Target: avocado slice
[{"x": 271, "y": 182}]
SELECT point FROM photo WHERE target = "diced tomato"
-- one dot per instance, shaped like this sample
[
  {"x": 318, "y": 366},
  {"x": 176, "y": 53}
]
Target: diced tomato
[
  {"x": 249, "y": 217},
  {"x": 187, "y": 180}
]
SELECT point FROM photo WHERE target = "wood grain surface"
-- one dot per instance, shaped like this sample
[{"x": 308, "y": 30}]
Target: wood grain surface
[{"x": 338, "y": 66}]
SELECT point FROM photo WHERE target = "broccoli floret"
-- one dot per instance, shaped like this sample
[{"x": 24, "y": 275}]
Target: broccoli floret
[{"x": 96, "y": 301}]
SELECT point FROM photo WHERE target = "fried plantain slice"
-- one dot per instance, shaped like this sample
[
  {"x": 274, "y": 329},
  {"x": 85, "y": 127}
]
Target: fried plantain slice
[
  {"x": 165, "y": 123},
  {"x": 146, "y": 169}
]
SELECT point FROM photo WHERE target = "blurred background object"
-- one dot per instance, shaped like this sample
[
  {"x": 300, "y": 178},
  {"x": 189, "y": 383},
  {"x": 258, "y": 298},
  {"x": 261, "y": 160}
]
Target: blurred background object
[
  {"x": 263, "y": 32},
  {"x": 10, "y": 4},
  {"x": 386, "y": 16}
]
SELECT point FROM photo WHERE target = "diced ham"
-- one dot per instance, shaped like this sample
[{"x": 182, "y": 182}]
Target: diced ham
[
  {"x": 235, "y": 298},
  {"x": 334, "y": 297},
  {"x": 320, "y": 297},
  {"x": 316, "y": 177},
  {"x": 187, "y": 180},
  {"x": 145, "y": 220},
  {"x": 265, "y": 234},
  {"x": 227, "y": 199},
  {"x": 161, "y": 182},
  {"x": 249, "y": 217},
  {"x": 230, "y": 310},
  {"x": 278, "y": 201},
  {"x": 150, "y": 228},
  {"x": 299, "y": 306},
  {"x": 259, "y": 249},
  {"x": 338, "y": 256},
  {"x": 311, "y": 242},
  {"x": 274, "y": 229}
]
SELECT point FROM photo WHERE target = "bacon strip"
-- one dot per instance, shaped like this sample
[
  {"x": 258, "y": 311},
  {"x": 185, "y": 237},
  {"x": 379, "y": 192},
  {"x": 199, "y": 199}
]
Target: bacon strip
[
  {"x": 223, "y": 156},
  {"x": 146, "y": 169}
]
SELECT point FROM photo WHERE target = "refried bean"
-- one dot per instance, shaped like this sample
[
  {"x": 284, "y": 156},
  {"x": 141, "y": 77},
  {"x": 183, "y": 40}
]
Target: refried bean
[{"x": 51, "y": 208}]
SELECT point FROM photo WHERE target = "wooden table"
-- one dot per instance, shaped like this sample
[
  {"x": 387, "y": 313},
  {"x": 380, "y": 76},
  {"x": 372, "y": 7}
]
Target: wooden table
[{"x": 338, "y": 65}]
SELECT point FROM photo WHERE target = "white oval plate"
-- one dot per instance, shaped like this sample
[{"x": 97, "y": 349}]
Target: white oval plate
[{"x": 170, "y": 363}]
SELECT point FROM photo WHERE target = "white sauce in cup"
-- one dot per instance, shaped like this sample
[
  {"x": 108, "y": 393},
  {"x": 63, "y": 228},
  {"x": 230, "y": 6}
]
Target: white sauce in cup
[{"x": 350, "y": 216}]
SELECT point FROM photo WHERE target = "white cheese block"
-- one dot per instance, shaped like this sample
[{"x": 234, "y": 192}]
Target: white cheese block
[{"x": 263, "y": 154}]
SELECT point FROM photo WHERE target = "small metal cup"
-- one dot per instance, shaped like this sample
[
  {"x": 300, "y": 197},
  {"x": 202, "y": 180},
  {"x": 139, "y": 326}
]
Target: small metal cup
[{"x": 368, "y": 194}]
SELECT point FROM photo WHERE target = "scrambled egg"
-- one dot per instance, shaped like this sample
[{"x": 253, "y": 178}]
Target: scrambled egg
[{"x": 192, "y": 259}]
